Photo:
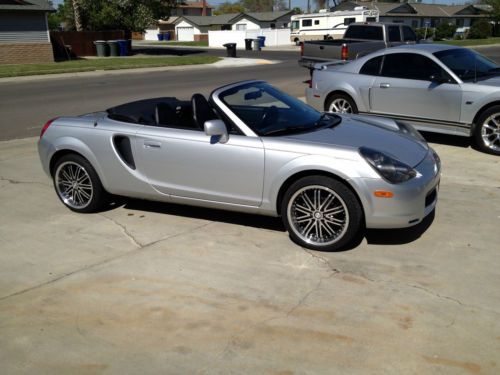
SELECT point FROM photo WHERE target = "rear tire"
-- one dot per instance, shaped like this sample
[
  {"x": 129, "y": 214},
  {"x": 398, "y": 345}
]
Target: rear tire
[
  {"x": 77, "y": 184},
  {"x": 487, "y": 131},
  {"x": 321, "y": 213},
  {"x": 340, "y": 103}
]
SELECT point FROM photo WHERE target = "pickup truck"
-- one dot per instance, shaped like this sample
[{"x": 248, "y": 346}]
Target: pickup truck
[{"x": 359, "y": 39}]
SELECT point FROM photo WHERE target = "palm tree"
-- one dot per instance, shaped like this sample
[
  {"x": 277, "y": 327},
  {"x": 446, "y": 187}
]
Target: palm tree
[{"x": 78, "y": 16}]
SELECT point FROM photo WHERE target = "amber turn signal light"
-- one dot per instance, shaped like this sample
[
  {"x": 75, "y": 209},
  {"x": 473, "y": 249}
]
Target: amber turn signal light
[{"x": 383, "y": 194}]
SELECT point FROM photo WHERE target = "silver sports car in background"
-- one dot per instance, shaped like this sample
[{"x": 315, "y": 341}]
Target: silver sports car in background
[
  {"x": 436, "y": 88},
  {"x": 249, "y": 148}
]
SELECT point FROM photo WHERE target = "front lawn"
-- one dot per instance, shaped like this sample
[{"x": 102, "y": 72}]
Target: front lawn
[
  {"x": 88, "y": 65},
  {"x": 471, "y": 42},
  {"x": 174, "y": 43}
]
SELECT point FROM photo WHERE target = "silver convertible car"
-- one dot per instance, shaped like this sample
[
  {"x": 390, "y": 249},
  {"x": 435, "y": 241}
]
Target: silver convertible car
[
  {"x": 249, "y": 148},
  {"x": 436, "y": 88}
]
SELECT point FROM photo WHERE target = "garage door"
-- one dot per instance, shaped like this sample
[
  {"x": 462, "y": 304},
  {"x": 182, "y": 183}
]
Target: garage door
[{"x": 185, "y": 34}]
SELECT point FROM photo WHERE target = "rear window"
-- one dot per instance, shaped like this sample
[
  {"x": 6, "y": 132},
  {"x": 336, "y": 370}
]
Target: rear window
[
  {"x": 364, "y": 32},
  {"x": 394, "y": 35},
  {"x": 408, "y": 34}
]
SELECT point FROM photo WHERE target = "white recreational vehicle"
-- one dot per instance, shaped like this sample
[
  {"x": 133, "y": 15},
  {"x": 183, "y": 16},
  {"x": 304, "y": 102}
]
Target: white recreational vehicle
[{"x": 328, "y": 25}]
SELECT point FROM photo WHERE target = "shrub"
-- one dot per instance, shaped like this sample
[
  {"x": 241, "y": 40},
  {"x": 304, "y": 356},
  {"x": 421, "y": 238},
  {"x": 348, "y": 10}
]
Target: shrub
[
  {"x": 480, "y": 30},
  {"x": 421, "y": 32},
  {"x": 445, "y": 31}
]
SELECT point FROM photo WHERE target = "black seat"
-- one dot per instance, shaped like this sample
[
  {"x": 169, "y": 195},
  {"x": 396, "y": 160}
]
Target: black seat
[
  {"x": 201, "y": 110},
  {"x": 165, "y": 115}
]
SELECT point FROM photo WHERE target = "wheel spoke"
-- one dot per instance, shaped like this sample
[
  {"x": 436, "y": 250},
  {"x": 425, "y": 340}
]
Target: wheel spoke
[
  {"x": 307, "y": 201},
  {"x": 327, "y": 229},
  {"x": 326, "y": 202},
  {"x": 334, "y": 221},
  {"x": 84, "y": 194}
]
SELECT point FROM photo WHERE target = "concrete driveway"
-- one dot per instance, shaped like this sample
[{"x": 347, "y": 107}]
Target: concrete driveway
[{"x": 152, "y": 288}]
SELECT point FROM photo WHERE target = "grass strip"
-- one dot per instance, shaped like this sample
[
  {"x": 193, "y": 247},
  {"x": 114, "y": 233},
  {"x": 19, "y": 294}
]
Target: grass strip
[
  {"x": 16, "y": 70},
  {"x": 471, "y": 42}
]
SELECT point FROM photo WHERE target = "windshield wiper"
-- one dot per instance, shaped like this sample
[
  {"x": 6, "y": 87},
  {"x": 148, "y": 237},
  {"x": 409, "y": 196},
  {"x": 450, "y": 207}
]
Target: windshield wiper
[{"x": 289, "y": 129}]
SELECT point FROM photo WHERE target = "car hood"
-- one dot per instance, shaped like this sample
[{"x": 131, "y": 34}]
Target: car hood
[{"x": 380, "y": 134}]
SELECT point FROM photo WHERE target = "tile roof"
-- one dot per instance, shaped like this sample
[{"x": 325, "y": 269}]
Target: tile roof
[
  {"x": 222, "y": 19},
  {"x": 41, "y": 5}
]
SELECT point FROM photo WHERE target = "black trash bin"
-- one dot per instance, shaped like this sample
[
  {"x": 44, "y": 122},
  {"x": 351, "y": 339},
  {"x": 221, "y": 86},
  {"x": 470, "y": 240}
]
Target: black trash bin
[
  {"x": 231, "y": 49},
  {"x": 248, "y": 44},
  {"x": 114, "y": 48},
  {"x": 101, "y": 48}
]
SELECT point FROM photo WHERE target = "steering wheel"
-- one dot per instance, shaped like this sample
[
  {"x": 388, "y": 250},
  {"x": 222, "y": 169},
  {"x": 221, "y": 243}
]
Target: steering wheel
[{"x": 269, "y": 117}]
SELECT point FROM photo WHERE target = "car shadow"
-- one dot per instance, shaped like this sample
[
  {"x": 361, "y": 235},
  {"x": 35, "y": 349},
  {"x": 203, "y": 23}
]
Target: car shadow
[
  {"x": 399, "y": 236},
  {"x": 449, "y": 140},
  {"x": 229, "y": 217},
  {"x": 373, "y": 236}
]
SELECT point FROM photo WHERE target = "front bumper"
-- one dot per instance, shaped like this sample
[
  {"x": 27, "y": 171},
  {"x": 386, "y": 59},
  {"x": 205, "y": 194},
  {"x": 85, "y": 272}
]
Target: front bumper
[{"x": 412, "y": 201}]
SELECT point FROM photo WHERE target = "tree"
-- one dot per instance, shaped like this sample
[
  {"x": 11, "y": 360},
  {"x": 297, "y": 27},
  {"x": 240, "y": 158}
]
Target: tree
[
  {"x": 480, "y": 30},
  {"x": 227, "y": 8},
  {"x": 258, "y": 5},
  {"x": 130, "y": 15}
]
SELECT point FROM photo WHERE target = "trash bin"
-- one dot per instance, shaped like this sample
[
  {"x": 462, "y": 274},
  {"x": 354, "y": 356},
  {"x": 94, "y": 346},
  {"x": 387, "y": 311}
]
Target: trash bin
[
  {"x": 123, "y": 46},
  {"x": 248, "y": 44},
  {"x": 231, "y": 49},
  {"x": 166, "y": 36},
  {"x": 101, "y": 48},
  {"x": 256, "y": 44},
  {"x": 262, "y": 41},
  {"x": 114, "y": 49},
  {"x": 160, "y": 36}
]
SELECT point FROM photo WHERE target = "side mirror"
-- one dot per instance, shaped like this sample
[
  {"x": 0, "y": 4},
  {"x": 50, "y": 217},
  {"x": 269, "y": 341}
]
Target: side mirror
[{"x": 216, "y": 129}]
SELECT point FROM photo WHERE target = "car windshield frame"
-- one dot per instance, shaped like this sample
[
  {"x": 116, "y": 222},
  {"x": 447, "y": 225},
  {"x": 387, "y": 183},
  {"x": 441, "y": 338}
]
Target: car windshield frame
[
  {"x": 478, "y": 66},
  {"x": 267, "y": 111}
]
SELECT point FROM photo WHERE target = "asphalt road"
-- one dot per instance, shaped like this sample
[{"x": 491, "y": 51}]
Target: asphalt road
[{"x": 26, "y": 105}]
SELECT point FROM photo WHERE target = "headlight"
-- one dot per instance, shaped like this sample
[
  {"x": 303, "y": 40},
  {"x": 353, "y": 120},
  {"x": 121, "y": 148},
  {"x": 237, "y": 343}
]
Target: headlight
[
  {"x": 389, "y": 168},
  {"x": 437, "y": 159}
]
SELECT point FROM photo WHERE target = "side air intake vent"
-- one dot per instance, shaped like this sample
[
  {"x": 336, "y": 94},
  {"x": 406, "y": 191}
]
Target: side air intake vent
[{"x": 124, "y": 149}]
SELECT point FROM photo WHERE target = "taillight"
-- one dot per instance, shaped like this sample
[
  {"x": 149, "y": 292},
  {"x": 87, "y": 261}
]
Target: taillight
[
  {"x": 301, "y": 48},
  {"x": 46, "y": 126},
  {"x": 344, "y": 53}
]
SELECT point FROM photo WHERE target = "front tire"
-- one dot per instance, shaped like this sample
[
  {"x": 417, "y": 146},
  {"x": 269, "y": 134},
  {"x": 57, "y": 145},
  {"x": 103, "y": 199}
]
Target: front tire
[
  {"x": 321, "y": 213},
  {"x": 77, "y": 184},
  {"x": 340, "y": 103},
  {"x": 487, "y": 131}
]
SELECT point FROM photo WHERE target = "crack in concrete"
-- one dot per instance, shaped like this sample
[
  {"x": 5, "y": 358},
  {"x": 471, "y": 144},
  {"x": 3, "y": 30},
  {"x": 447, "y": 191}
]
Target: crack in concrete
[
  {"x": 14, "y": 182},
  {"x": 97, "y": 264},
  {"x": 125, "y": 231}
]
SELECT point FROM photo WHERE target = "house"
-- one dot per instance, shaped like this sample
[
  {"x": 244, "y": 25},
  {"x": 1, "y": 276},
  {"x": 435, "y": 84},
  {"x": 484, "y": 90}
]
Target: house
[
  {"x": 162, "y": 26},
  {"x": 192, "y": 8},
  {"x": 24, "y": 34},
  {"x": 263, "y": 20},
  {"x": 421, "y": 15},
  {"x": 189, "y": 28}
]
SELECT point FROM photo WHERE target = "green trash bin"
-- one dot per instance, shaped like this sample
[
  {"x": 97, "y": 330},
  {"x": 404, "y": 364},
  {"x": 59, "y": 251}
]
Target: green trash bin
[
  {"x": 101, "y": 48},
  {"x": 114, "y": 48}
]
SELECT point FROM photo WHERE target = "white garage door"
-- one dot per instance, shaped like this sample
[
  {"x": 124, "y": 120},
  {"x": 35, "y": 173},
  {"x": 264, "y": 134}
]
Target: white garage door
[{"x": 185, "y": 34}]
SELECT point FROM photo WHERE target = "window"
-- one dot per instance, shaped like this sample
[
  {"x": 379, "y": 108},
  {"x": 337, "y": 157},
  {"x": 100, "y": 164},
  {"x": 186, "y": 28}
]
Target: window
[
  {"x": 410, "y": 66},
  {"x": 307, "y": 23},
  {"x": 459, "y": 22},
  {"x": 372, "y": 66},
  {"x": 364, "y": 32},
  {"x": 398, "y": 21},
  {"x": 273, "y": 26},
  {"x": 295, "y": 25},
  {"x": 316, "y": 22},
  {"x": 393, "y": 34},
  {"x": 371, "y": 19},
  {"x": 348, "y": 21},
  {"x": 414, "y": 24},
  {"x": 241, "y": 26},
  {"x": 408, "y": 35}
]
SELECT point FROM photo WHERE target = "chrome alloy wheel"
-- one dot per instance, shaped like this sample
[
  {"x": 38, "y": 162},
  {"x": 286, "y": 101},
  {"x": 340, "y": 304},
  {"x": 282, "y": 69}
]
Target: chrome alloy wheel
[
  {"x": 318, "y": 215},
  {"x": 340, "y": 105},
  {"x": 73, "y": 185},
  {"x": 490, "y": 132}
]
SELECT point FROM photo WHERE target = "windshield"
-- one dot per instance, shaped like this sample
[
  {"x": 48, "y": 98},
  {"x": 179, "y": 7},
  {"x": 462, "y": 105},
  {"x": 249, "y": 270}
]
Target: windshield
[
  {"x": 268, "y": 111},
  {"x": 467, "y": 64},
  {"x": 295, "y": 25}
]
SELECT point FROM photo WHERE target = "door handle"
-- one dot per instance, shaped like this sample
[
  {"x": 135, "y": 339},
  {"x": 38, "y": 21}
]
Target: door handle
[
  {"x": 152, "y": 144},
  {"x": 385, "y": 85}
]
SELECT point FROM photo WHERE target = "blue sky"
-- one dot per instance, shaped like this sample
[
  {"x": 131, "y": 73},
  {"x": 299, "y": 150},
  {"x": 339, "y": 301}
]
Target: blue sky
[{"x": 303, "y": 3}]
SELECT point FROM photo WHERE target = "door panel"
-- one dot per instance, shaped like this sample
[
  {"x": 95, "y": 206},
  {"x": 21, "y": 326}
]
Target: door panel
[
  {"x": 415, "y": 98},
  {"x": 186, "y": 163}
]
